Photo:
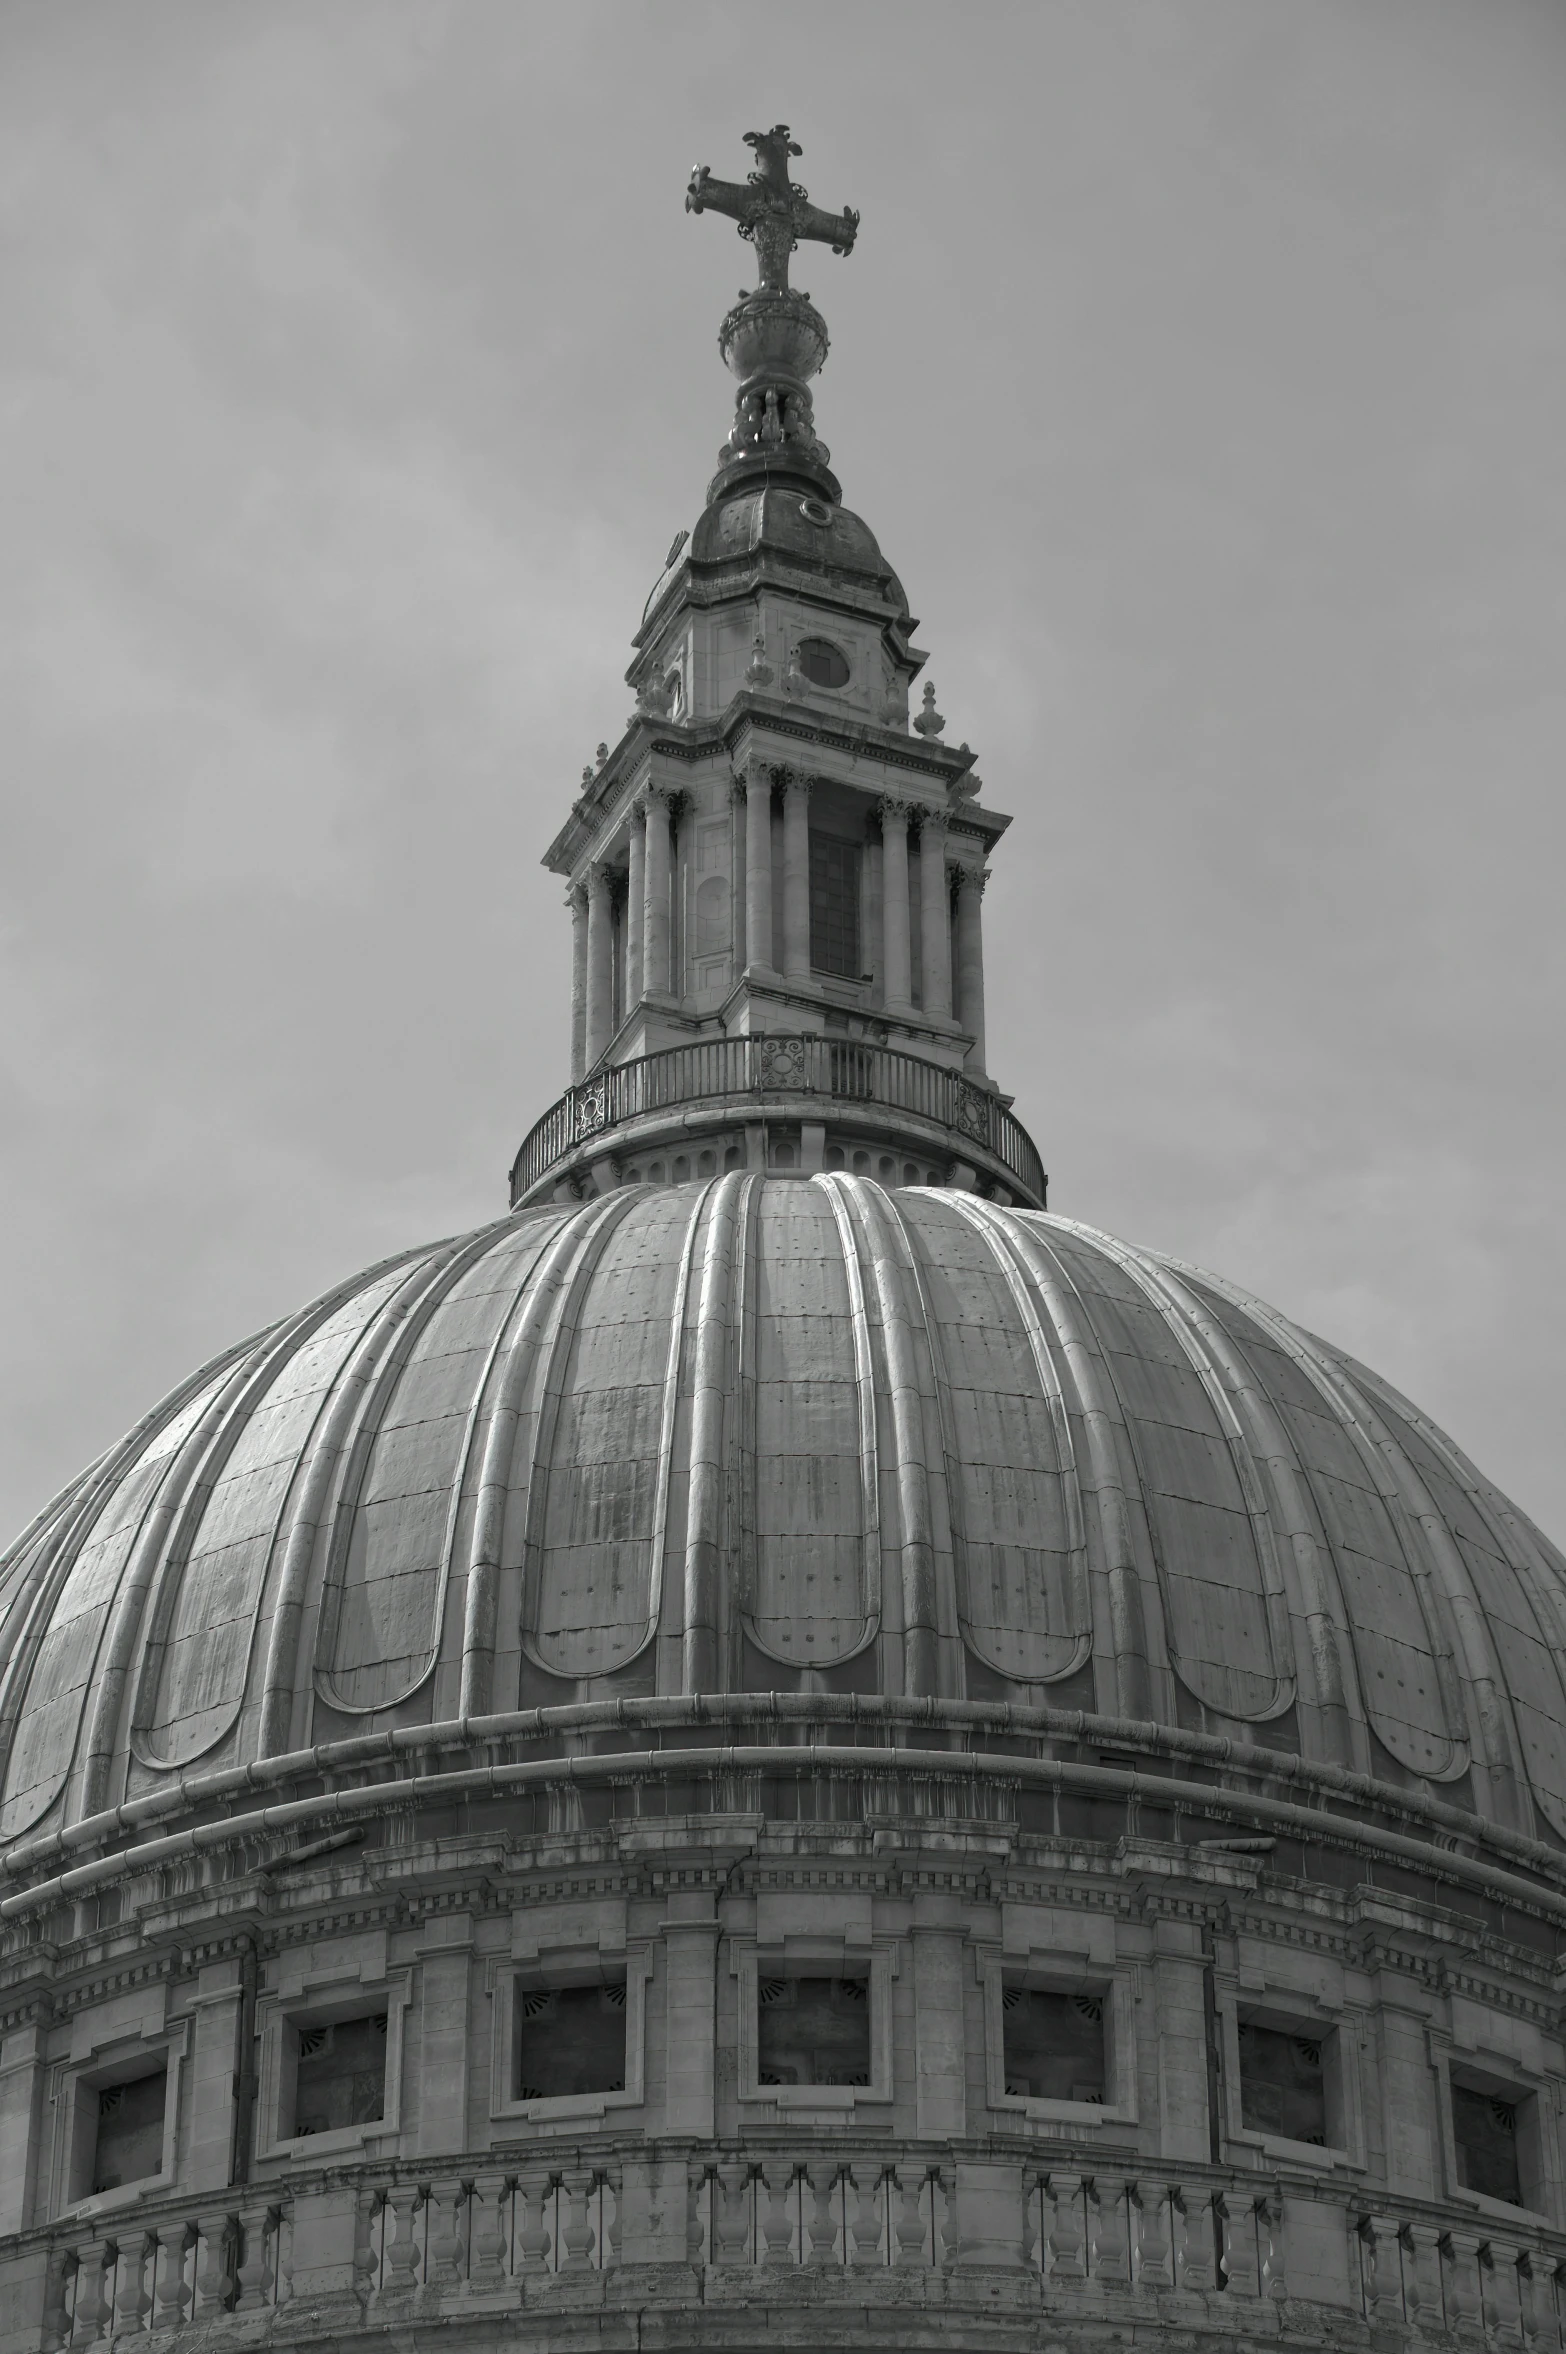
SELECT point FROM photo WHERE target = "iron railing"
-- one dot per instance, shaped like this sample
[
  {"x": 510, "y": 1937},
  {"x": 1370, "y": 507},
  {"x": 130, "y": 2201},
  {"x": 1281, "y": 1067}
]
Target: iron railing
[{"x": 843, "y": 1070}]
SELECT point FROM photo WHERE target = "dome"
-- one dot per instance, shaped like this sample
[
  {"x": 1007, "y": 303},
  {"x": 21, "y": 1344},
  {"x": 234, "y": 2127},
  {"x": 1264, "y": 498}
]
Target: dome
[
  {"x": 771, "y": 1434},
  {"x": 776, "y": 1761},
  {"x": 789, "y": 519}
]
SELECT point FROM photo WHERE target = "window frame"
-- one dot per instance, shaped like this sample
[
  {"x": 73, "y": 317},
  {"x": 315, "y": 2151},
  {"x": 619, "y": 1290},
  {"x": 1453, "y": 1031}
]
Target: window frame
[
  {"x": 1038, "y": 1973},
  {"x": 632, "y": 1967},
  {"x": 279, "y": 2018},
  {"x": 1502, "y": 2077},
  {"x": 814, "y": 1957},
  {"x": 120, "y": 2059},
  {"x": 1292, "y": 2013}
]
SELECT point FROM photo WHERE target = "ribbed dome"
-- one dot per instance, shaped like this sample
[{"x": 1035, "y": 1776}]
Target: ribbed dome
[{"x": 773, "y": 1434}]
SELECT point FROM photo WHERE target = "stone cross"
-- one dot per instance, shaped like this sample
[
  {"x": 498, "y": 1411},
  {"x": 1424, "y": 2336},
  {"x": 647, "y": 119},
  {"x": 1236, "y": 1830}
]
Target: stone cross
[{"x": 771, "y": 209}]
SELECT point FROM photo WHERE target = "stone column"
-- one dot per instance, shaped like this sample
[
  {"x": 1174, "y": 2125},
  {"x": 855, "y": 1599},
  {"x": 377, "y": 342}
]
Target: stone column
[
  {"x": 935, "y": 925},
  {"x": 636, "y": 904},
  {"x": 600, "y": 963},
  {"x": 970, "y": 958},
  {"x": 897, "y": 976},
  {"x": 796, "y": 876},
  {"x": 758, "y": 869},
  {"x": 576, "y": 901},
  {"x": 655, "y": 909},
  {"x": 874, "y": 959},
  {"x": 682, "y": 853},
  {"x": 737, "y": 839}
]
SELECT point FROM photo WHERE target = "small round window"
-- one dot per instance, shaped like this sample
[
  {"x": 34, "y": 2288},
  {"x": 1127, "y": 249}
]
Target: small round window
[{"x": 822, "y": 664}]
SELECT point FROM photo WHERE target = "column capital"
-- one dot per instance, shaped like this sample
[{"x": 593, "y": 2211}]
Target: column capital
[
  {"x": 969, "y": 876},
  {"x": 795, "y": 782},
  {"x": 576, "y": 898},
  {"x": 894, "y": 806},
  {"x": 933, "y": 821},
  {"x": 600, "y": 876}
]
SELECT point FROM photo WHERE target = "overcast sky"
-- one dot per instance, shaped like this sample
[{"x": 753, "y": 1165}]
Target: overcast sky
[{"x": 1200, "y": 369}]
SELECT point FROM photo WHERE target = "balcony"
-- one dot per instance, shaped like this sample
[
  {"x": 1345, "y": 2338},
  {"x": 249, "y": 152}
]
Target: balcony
[{"x": 860, "y": 1094}]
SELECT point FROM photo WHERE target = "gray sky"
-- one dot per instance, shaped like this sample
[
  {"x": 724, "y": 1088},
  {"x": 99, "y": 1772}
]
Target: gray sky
[{"x": 1199, "y": 369}]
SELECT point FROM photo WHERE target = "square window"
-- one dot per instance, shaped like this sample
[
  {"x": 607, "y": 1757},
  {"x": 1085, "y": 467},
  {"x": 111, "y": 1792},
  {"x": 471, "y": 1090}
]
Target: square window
[
  {"x": 1486, "y": 2132},
  {"x": 567, "y": 2040},
  {"x": 339, "y": 2074},
  {"x": 813, "y": 2031},
  {"x": 127, "y": 2121},
  {"x": 1283, "y": 2083},
  {"x": 1053, "y": 2045}
]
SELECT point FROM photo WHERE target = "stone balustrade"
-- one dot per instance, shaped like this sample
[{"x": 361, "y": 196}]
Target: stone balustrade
[
  {"x": 161, "y": 2270},
  {"x": 373, "y": 2246},
  {"x": 1485, "y": 2285},
  {"x": 377, "y": 2247}
]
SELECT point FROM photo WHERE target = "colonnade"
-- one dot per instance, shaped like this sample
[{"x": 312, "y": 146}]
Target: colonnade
[{"x": 950, "y": 891}]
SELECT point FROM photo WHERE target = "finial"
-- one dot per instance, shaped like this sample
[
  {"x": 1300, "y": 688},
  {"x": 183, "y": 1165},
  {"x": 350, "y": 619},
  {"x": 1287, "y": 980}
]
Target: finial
[
  {"x": 795, "y": 682},
  {"x": 758, "y": 670},
  {"x": 602, "y": 754},
  {"x": 587, "y": 780},
  {"x": 770, "y": 209},
  {"x": 929, "y": 722},
  {"x": 773, "y": 339}
]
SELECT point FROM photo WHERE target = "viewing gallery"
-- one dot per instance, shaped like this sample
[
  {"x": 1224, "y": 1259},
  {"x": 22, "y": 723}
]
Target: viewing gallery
[{"x": 782, "y": 1748}]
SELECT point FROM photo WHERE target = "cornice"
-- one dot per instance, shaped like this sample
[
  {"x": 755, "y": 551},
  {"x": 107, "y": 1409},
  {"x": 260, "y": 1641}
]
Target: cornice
[{"x": 940, "y": 765}]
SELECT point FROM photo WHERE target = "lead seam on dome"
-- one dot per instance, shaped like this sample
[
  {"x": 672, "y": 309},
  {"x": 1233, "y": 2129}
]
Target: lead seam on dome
[
  {"x": 1175, "y": 1315},
  {"x": 536, "y": 1302},
  {"x": 1129, "y": 1647},
  {"x": 381, "y": 1384},
  {"x": 1076, "y": 1580},
  {"x": 554, "y": 1358},
  {"x": 75, "y": 1512},
  {"x": 1381, "y": 1463},
  {"x": 176, "y": 1561},
  {"x": 872, "y": 1570}
]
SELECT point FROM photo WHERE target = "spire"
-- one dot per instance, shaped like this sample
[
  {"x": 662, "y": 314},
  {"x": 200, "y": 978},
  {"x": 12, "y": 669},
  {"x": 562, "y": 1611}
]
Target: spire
[
  {"x": 774, "y": 879},
  {"x": 774, "y": 340}
]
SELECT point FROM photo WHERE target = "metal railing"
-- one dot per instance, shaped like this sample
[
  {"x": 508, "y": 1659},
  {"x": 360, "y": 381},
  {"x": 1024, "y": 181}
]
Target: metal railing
[{"x": 845, "y": 1071}]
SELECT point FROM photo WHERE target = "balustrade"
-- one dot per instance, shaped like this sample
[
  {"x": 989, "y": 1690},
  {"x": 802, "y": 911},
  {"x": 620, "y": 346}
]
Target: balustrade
[
  {"x": 426, "y": 2244},
  {"x": 163, "y": 2274},
  {"x": 1476, "y": 2287},
  {"x": 763, "y": 1067}
]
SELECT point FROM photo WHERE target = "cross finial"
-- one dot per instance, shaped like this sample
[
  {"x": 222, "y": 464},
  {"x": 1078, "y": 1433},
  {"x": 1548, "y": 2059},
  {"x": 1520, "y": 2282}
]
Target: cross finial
[{"x": 770, "y": 208}]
